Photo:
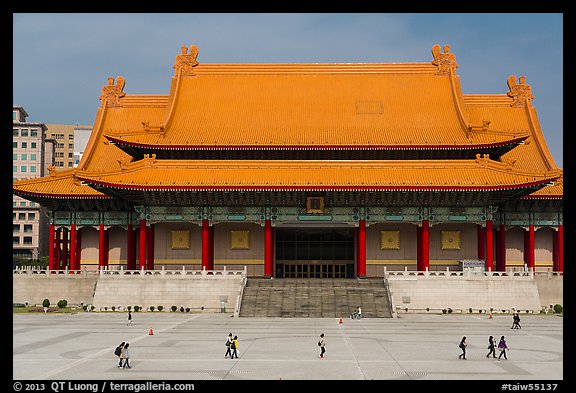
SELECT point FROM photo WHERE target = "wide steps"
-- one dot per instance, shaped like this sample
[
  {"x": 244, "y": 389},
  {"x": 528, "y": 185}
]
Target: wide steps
[{"x": 314, "y": 298}]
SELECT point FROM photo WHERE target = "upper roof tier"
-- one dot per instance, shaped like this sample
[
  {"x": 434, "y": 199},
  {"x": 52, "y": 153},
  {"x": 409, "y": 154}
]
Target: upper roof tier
[{"x": 309, "y": 106}]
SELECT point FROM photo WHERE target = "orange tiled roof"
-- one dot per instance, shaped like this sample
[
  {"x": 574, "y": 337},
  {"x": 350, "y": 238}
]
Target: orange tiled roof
[
  {"x": 403, "y": 106},
  {"x": 62, "y": 184},
  {"x": 333, "y": 105},
  {"x": 555, "y": 191},
  {"x": 479, "y": 174}
]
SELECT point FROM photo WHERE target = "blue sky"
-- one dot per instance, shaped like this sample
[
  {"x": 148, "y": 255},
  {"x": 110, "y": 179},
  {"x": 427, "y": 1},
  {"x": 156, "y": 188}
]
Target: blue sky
[{"x": 62, "y": 61}]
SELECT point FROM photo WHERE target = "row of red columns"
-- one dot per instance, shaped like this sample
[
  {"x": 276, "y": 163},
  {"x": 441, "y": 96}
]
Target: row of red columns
[
  {"x": 58, "y": 253},
  {"x": 63, "y": 254}
]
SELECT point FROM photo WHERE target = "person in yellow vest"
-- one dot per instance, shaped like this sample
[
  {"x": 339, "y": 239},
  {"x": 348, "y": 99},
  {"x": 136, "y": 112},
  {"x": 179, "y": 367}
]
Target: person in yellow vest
[{"x": 234, "y": 346}]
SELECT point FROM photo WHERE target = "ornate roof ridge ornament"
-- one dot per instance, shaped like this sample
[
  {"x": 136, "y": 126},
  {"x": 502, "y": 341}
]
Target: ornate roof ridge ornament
[
  {"x": 186, "y": 61},
  {"x": 521, "y": 93},
  {"x": 112, "y": 93},
  {"x": 445, "y": 62}
]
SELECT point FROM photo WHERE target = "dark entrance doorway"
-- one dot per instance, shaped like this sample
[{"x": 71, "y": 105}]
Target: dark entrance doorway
[{"x": 314, "y": 252}]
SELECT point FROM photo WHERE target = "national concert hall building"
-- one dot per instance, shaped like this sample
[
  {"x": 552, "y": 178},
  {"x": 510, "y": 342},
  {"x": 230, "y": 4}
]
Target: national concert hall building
[{"x": 309, "y": 170}]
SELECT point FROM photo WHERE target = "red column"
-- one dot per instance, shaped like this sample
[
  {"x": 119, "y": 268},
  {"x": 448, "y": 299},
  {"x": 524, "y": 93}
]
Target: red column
[
  {"x": 498, "y": 255},
  {"x": 211, "y": 244},
  {"x": 64, "y": 248},
  {"x": 107, "y": 246},
  {"x": 561, "y": 248},
  {"x": 101, "y": 246},
  {"x": 79, "y": 249},
  {"x": 206, "y": 263},
  {"x": 130, "y": 248},
  {"x": 489, "y": 246},
  {"x": 142, "y": 245},
  {"x": 418, "y": 247},
  {"x": 481, "y": 244},
  {"x": 501, "y": 262},
  {"x": 361, "y": 263},
  {"x": 425, "y": 247},
  {"x": 51, "y": 242},
  {"x": 58, "y": 254},
  {"x": 73, "y": 247},
  {"x": 151, "y": 247},
  {"x": 530, "y": 251},
  {"x": 268, "y": 249}
]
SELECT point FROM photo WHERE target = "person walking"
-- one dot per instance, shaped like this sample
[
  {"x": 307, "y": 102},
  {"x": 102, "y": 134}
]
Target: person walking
[
  {"x": 126, "y": 356},
  {"x": 234, "y": 346},
  {"x": 359, "y": 312},
  {"x": 502, "y": 347},
  {"x": 228, "y": 346},
  {"x": 129, "y": 318},
  {"x": 322, "y": 345},
  {"x": 118, "y": 352},
  {"x": 462, "y": 346},
  {"x": 518, "y": 321},
  {"x": 491, "y": 347}
]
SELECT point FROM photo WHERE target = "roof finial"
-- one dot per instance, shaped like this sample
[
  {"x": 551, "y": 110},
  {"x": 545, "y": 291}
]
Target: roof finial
[
  {"x": 444, "y": 61},
  {"x": 186, "y": 61},
  {"x": 521, "y": 93},
  {"x": 112, "y": 93}
]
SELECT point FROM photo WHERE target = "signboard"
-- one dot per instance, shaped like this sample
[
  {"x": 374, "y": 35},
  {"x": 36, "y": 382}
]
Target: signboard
[{"x": 473, "y": 265}]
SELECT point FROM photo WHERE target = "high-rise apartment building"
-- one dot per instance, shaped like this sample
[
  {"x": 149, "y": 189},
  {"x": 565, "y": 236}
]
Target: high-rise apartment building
[{"x": 32, "y": 153}]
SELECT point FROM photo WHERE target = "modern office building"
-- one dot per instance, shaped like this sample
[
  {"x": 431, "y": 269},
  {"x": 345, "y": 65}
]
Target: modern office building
[
  {"x": 309, "y": 170},
  {"x": 32, "y": 154},
  {"x": 70, "y": 142}
]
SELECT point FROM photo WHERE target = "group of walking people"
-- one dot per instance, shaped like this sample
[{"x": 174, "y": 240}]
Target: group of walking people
[
  {"x": 502, "y": 347},
  {"x": 123, "y": 355},
  {"x": 231, "y": 347}
]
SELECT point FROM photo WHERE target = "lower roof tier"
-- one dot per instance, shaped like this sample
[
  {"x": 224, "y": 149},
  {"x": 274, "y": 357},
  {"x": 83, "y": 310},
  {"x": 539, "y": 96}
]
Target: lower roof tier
[{"x": 481, "y": 174}]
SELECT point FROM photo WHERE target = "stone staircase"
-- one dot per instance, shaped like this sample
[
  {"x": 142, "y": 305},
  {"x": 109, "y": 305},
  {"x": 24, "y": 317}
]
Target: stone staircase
[{"x": 314, "y": 298}]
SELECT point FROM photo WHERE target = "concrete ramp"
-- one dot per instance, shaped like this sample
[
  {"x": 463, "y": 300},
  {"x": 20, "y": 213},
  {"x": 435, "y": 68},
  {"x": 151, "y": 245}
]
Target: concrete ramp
[{"x": 462, "y": 291}]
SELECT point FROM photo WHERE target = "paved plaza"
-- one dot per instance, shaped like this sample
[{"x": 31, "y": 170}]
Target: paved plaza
[{"x": 187, "y": 346}]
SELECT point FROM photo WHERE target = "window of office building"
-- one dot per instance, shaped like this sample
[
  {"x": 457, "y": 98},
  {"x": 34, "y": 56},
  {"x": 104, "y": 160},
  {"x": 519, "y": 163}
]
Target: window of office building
[
  {"x": 15, "y": 240},
  {"x": 24, "y": 157},
  {"x": 23, "y": 132},
  {"x": 15, "y": 228},
  {"x": 15, "y": 132},
  {"x": 21, "y": 216},
  {"x": 27, "y": 227},
  {"x": 33, "y": 145},
  {"x": 33, "y": 157},
  {"x": 27, "y": 239},
  {"x": 32, "y": 169},
  {"x": 31, "y": 216},
  {"x": 24, "y": 145},
  {"x": 33, "y": 132}
]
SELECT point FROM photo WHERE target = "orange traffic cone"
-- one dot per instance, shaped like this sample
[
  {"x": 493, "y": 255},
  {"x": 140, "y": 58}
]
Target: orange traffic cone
[
  {"x": 151, "y": 332},
  {"x": 490, "y": 316}
]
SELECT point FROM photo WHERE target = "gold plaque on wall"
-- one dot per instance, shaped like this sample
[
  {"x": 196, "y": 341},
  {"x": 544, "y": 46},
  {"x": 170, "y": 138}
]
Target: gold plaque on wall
[
  {"x": 239, "y": 240},
  {"x": 450, "y": 240},
  {"x": 389, "y": 240},
  {"x": 181, "y": 240}
]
